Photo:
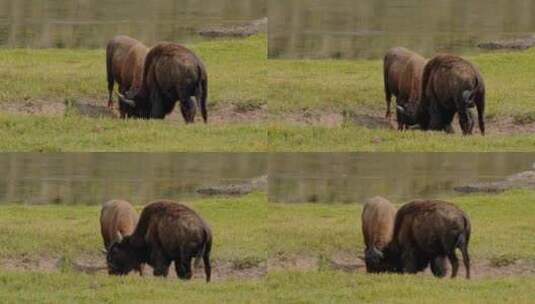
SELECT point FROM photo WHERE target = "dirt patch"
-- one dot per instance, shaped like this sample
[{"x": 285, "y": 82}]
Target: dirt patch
[
  {"x": 373, "y": 120},
  {"x": 481, "y": 269},
  {"x": 522, "y": 43},
  {"x": 240, "y": 30},
  {"x": 522, "y": 180},
  {"x": 221, "y": 270},
  {"x": 220, "y": 113}
]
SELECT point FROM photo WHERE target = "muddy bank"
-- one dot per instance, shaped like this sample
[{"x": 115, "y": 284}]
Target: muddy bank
[
  {"x": 221, "y": 270},
  {"x": 331, "y": 118},
  {"x": 241, "y": 30},
  {"x": 247, "y": 269},
  {"x": 218, "y": 112},
  {"x": 256, "y": 184},
  {"x": 522, "y": 180},
  {"x": 522, "y": 43}
]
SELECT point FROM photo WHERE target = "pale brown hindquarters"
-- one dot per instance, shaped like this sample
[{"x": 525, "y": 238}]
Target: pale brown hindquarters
[
  {"x": 394, "y": 61},
  {"x": 410, "y": 90}
]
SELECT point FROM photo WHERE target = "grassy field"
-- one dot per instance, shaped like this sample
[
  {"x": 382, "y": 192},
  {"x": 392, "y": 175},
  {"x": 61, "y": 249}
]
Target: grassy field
[
  {"x": 46, "y": 76},
  {"x": 321, "y": 87},
  {"x": 249, "y": 229}
]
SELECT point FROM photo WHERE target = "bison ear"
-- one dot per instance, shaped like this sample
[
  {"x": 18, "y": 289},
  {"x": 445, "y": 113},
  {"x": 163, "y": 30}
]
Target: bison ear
[{"x": 125, "y": 100}]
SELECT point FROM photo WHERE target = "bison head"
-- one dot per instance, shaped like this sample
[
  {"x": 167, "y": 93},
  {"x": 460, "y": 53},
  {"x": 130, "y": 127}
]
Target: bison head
[
  {"x": 121, "y": 258},
  {"x": 382, "y": 261},
  {"x": 133, "y": 105},
  {"x": 406, "y": 114}
]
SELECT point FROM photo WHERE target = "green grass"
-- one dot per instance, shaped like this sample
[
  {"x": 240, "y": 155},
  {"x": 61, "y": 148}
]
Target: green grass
[
  {"x": 75, "y": 133},
  {"x": 289, "y": 138},
  {"x": 237, "y": 73},
  {"x": 357, "y": 86},
  {"x": 248, "y": 228}
]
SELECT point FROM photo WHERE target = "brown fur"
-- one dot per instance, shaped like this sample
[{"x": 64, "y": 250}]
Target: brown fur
[
  {"x": 171, "y": 73},
  {"x": 428, "y": 231},
  {"x": 451, "y": 85},
  {"x": 393, "y": 64},
  {"x": 117, "y": 219},
  {"x": 167, "y": 231},
  {"x": 377, "y": 228},
  {"x": 125, "y": 58},
  {"x": 410, "y": 90}
]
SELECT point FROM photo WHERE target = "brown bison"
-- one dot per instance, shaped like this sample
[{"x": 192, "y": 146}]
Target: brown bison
[
  {"x": 409, "y": 92},
  {"x": 167, "y": 231},
  {"x": 378, "y": 218},
  {"x": 171, "y": 73},
  {"x": 451, "y": 85},
  {"x": 117, "y": 219},
  {"x": 426, "y": 232},
  {"x": 124, "y": 64},
  {"x": 394, "y": 63}
]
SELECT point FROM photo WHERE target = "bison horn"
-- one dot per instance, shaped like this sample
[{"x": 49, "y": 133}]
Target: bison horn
[
  {"x": 119, "y": 237},
  {"x": 123, "y": 99},
  {"x": 104, "y": 251},
  {"x": 377, "y": 252},
  {"x": 401, "y": 109}
]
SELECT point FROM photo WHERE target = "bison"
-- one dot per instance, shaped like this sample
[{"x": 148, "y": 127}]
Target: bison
[
  {"x": 167, "y": 231},
  {"x": 125, "y": 58},
  {"x": 450, "y": 85},
  {"x": 171, "y": 72},
  {"x": 427, "y": 232},
  {"x": 117, "y": 219},
  {"x": 378, "y": 218},
  {"x": 394, "y": 63},
  {"x": 409, "y": 91}
]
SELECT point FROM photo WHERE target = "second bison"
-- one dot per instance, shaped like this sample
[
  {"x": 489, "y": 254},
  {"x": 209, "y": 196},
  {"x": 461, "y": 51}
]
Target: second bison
[
  {"x": 452, "y": 85},
  {"x": 171, "y": 73},
  {"x": 167, "y": 232},
  {"x": 378, "y": 218},
  {"x": 426, "y": 232}
]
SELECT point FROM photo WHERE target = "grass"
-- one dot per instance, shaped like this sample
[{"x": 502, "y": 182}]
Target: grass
[
  {"x": 237, "y": 72},
  {"x": 248, "y": 229},
  {"x": 290, "y": 138},
  {"x": 357, "y": 86}
]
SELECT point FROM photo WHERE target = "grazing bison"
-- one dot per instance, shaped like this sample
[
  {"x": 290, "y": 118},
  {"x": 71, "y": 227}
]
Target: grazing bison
[
  {"x": 409, "y": 91},
  {"x": 394, "y": 63},
  {"x": 117, "y": 219},
  {"x": 426, "y": 232},
  {"x": 171, "y": 73},
  {"x": 378, "y": 218},
  {"x": 166, "y": 232},
  {"x": 124, "y": 64},
  {"x": 451, "y": 85}
]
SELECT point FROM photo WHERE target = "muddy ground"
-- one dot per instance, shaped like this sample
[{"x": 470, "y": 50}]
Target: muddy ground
[
  {"x": 521, "y": 43},
  {"x": 240, "y": 30},
  {"x": 522, "y": 180},
  {"x": 257, "y": 112},
  {"x": 255, "y": 269}
]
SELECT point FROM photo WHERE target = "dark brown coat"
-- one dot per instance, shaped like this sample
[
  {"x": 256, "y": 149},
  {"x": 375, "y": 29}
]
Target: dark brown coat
[
  {"x": 167, "y": 231},
  {"x": 410, "y": 91},
  {"x": 426, "y": 232},
  {"x": 393, "y": 65},
  {"x": 451, "y": 85},
  {"x": 125, "y": 58},
  {"x": 171, "y": 73},
  {"x": 377, "y": 219}
]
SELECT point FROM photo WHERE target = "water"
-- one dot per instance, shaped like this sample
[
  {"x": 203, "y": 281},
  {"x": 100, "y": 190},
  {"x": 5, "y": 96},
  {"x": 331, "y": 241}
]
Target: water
[
  {"x": 367, "y": 28},
  {"x": 400, "y": 177},
  {"x": 90, "y": 23},
  {"x": 92, "y": 178}
]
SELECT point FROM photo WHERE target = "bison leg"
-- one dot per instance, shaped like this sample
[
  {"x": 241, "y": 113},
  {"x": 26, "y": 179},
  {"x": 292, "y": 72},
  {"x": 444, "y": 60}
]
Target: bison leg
[
  {"x": 435, "y": 118},
  {"x": 157, "y": 105},
  {"x": 187, "y": 107},
  {"x": 466, "y": 120},
  {"x": 454, "y": 263},
  {"x": 410, "y": 264},
  {"x": 438, "y": 267},
  {"x": 159, "y": 263},
  {"x": 183, "y": 268}
]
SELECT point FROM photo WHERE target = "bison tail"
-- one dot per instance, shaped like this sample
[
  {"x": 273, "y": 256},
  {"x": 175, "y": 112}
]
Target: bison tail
[
  {"x": 206, "y": 255},
  {"x": 462, "y": 244},
  {"x": 201, "y": 94}
]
